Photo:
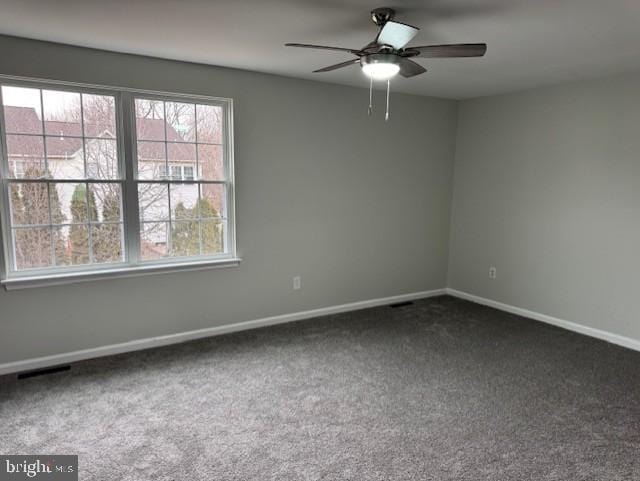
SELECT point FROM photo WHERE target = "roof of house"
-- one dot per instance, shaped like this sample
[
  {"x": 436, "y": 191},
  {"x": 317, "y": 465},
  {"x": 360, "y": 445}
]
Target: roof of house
[
  {"x": 153, "y": 129},
  {"x": 22, "y": 119},
  {"x": 62, "y": 138}
]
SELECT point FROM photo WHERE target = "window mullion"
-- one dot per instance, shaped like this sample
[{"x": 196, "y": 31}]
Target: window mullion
[
  {"x": 89, "y": 222},
  {"x": 131, "y": 214},
  {"x": 170, "y": 228},
  {"x": 8, "y": 262},
  {"x": 169, "y": 177},
  {"x": 47, "y": 174},
  {"x": 199, "y": 204},
  {"x": 229, "y": 175},
  {"x": 50, "y": 226},
  {"x": 196, "y": 173},
  {"x": 84, "y": 140}
]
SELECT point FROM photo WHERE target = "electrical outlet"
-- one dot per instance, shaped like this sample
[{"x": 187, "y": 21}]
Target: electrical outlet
[
  {"x": 493, "y": 273},
  {"x": 297, "y": 283}
]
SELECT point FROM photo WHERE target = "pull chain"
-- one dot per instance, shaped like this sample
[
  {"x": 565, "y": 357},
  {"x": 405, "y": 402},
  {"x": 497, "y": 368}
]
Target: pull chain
[
  {"x": 386, "y": 115},
  {"x": 370, "y": 95}
]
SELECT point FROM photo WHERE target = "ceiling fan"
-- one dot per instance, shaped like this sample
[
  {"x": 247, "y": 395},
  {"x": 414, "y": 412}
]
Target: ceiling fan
[{"x": 388, "y": 54}]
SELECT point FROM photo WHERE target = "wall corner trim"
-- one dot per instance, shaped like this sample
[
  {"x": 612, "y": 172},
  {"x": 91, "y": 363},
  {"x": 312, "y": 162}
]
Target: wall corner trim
[
  {"x": 569, "y": 325},
  {"x": 151, "y": 342}
]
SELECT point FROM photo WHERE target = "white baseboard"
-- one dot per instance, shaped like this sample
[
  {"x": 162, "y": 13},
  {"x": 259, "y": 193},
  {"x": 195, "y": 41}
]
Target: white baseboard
[
  {"x": 571, "y": 326},
  {"x": 139, "y": 344}
]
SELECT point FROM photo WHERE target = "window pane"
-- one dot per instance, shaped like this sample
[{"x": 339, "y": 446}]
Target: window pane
[
  {"x": 185, "y": 239},
  {"x": 71, "y": 245},
  {"x": 154, "y": 240},
  {"x": 176, "y": 172},
  {"x": 181, "y": 122},
  {"x": 99, "y": 113},
  {"x": 184, "y": 154},
  {"x": 102, "y": 158},
  {"x": 105, "y": 202},
  {"x": 151, "y": 160},
  {"x": 68, "y": 202},
  {"x": 29, "y": 203},
  {"x": 209, "y": 123},
  {"x": 153, "y": 201},
  {"x": 149, "y": 119},
  {"x": 211, "y": 162},
  {"x": 107, "y": 242},
  {"x": 62, "y": 113},
  {"x": 29, "y": 150},
  {"x": 22, "y": 110},
  {"x": 65, "y": 157},
  {"x": 212, "y": 200},
  {"x": 212, "y": 237},
  {"x": 184, "y": 201},
  {"x": 32, "y": 248}
]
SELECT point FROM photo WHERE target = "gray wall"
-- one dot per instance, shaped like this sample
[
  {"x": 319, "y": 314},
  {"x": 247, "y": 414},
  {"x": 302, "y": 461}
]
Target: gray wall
[
  {"x": 547, "y": 189},
  {"x": 359, "y": 208}
]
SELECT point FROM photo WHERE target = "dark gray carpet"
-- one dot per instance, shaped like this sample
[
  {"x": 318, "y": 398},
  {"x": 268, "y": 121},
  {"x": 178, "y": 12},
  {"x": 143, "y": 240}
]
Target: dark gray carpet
[{"x": 441, "y": 390}]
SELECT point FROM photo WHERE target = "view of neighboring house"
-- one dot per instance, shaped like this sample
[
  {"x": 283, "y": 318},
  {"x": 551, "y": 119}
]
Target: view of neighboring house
[
  {"x": 65, "y": 156},
  {"x": 72, "y": 148}
]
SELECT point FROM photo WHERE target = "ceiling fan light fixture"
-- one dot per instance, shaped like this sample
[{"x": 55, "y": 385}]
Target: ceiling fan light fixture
[
  {"x": 388, "y": 55},
  {"x": 381, "y": 71},
  {"x": 380, "y": 66}
]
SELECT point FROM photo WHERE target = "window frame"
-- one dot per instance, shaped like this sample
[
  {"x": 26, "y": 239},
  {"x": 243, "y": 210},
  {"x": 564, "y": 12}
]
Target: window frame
[{"x": 132, "y": 264}]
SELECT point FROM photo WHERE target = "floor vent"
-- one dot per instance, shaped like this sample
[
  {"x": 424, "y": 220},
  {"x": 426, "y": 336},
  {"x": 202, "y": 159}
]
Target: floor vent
[
  {"x": 401, "y": 304},
  {"x": 43, "y": 372}
]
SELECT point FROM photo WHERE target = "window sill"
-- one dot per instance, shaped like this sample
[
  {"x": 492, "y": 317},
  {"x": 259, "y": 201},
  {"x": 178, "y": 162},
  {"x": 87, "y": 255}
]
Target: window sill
[{"x": 25, "y": 282}]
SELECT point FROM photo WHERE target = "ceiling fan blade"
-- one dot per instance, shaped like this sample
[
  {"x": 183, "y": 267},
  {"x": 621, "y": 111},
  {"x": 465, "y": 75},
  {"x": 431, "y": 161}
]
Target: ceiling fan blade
[
  {"x": 396, "y": 34},
  {"x": 409, "y": 68},
  {"x": 448, "y": 51},
  {"x": 339, "y": 65},
  {"x": 323, "y": 47}
]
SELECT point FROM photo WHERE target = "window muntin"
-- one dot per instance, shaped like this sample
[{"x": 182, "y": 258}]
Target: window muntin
[
  {"x": 182, "y": 178},
  {"x": 68, "y": 205}
]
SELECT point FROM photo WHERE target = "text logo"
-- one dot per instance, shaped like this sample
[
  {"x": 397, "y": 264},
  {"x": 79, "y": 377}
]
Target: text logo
[{"x": 39, "y": 467}]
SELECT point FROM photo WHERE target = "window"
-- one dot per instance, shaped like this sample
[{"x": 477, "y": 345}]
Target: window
[
  {"x": 68, "y": 174},
  {"x": 176, "y": 172},
  {"x": 16, "y": 168},
  {"x": 59, "y": 214},
  {"x": 184, "y": 215}
]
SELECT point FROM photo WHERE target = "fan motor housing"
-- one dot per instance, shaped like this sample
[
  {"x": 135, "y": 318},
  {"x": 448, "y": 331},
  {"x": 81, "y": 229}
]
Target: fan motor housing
[{"x": 379, "y": 58}]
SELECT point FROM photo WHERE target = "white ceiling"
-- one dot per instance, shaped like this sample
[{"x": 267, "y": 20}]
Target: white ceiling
[{"x": 530, "y": 42}]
